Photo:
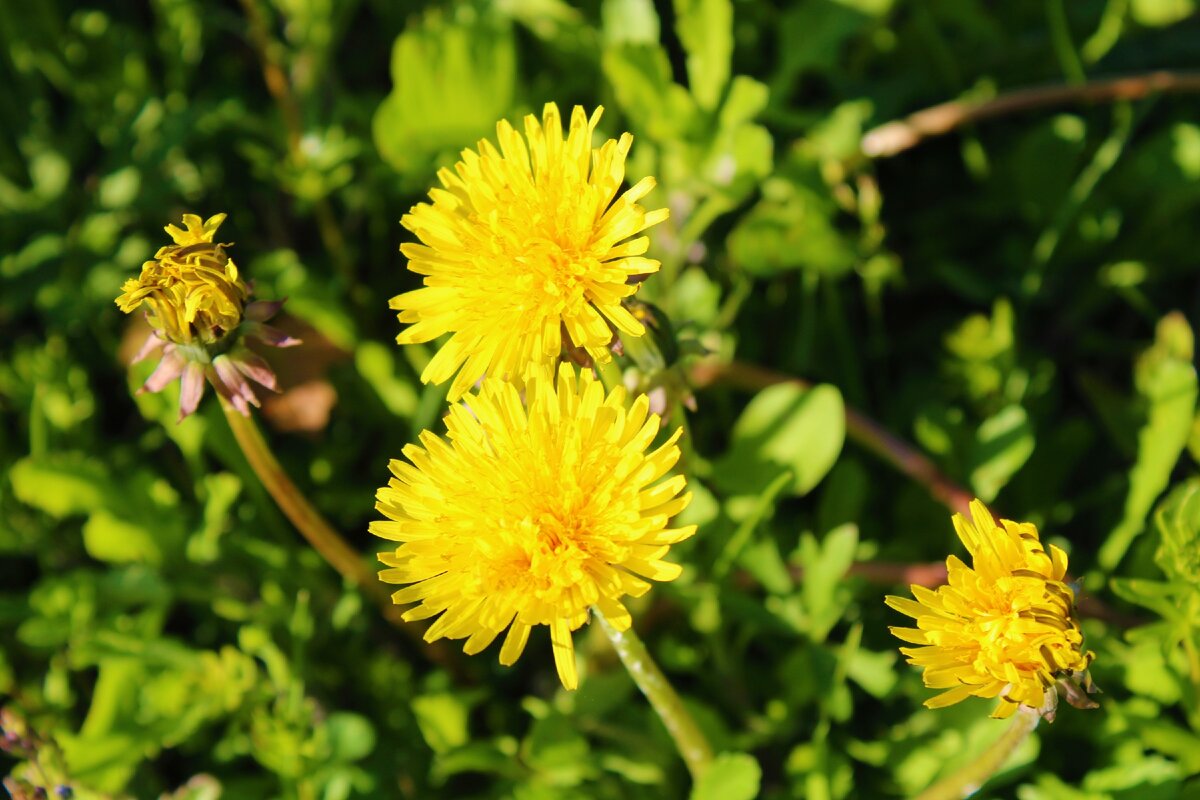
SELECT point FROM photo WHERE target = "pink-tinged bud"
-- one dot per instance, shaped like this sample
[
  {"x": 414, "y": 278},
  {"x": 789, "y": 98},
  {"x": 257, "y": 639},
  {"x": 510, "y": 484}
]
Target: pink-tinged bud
[
  {"x": 191, "y": 388},
  {"x": 263, "y": 310},
  {"x": 168, "y": 370},
  {"x": 152, "y": 344},
  {"x": 253, "y": 367},
  {"x": 199, "y": 306},
  {"x": 269, "y": 335},
  {"x": 230, "y": 384}
]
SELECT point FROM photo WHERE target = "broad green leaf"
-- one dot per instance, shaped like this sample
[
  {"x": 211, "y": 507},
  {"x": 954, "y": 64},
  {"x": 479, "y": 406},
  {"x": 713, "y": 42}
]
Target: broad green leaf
[
  {"x": 109, "y": 538},
  {"x": 452, "y": 81},
  {"x": 629, "y": 21},
  {"x": 1178, "y": 523},
  {"x": 1166, "y": 382},
  {"x": 1160, "y": 13},
  {"x": 1003, "y": 443},
  {"x": 824, "y": 569},
  {"x": 785, "y": 427},
  {"x": 62, "y": 484},
  {"x": 351, "y": 736},
  {"x": 484, "y": 757},
  {"x": 377, "y": 364},
  {"x": 442, "y": 719},
  {"x": 705, "y": 28},
  {"x": 556, "y": 749},
  {"x": 1157, "y": 596},
  {"x": 730, "y": 776},
  {"x": 640, "y": 76}
]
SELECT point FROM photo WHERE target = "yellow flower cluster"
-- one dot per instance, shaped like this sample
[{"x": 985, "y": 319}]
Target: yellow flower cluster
[
  {"x": 545, "y": 501},
  {"x": 192, "y": 287},
  {"x": 1004, "y": 627}
]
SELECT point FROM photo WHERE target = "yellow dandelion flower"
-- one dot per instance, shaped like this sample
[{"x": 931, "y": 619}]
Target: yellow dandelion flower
[
  {"x": 527, "y": 248},
  {"x": 531, "y": 513},
  {"x": 192, "y": 287},
  {"x": 1004, "y": 627},
  {"x": 199, "y": 309}
]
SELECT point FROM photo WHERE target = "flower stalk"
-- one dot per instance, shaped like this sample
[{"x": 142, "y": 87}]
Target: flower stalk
[
  {"x": 968, "y": 780},
  {"x": 689, "y": 739},
  {"x": 315, "y": 529},
  {"x": 324, "y": 539}
]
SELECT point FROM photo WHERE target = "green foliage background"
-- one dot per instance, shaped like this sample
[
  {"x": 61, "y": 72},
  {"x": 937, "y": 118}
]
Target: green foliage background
[{"x": 1016, "y": 299}]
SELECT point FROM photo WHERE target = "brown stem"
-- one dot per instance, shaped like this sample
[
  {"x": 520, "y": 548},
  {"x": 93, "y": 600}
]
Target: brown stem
[
  {"x": 897, "y": 136},
  {"x": 863, "y": 430},
  {"x": 905, "y": 458}
]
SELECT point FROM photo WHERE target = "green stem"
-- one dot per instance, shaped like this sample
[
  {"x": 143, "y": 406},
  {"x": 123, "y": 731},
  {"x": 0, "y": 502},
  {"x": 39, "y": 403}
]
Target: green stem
[
  {"x": 324, "y": 539},
  {"x": 970, "y": 778},
  {"x": 689, "y": 740},
  {"x": 318, "y": 532}
]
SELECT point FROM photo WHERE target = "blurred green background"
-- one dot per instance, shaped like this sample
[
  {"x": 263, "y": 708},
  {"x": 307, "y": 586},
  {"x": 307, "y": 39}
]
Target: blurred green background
[{"x": 1014, "y": 299}]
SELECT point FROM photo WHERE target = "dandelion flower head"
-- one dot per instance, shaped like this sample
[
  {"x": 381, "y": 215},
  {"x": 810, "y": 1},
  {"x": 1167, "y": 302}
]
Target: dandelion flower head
[
  {"x": 1004, "y": 627},
  {"x": 192, "y": 287},
  {"x": 526, "y": 249},
  {"x": 531, "y": 513},
  {"x": 199, "y": 310}
]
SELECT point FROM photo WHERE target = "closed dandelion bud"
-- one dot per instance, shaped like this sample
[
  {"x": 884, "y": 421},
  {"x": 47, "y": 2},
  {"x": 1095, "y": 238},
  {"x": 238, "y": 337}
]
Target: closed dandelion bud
[
  {"x": 1004, "y": 627},
  {"x": 528, "y": 250},
  {"x": 200, "y": 311},
  {"x": 535, "y": 511}
]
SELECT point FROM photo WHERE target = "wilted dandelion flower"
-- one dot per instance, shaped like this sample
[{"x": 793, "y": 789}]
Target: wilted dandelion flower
[
  {"x": 1004, "y": 627},
  {"x": 531, "y": 513},
  {"x": 198, "y": 306},
  {"x": 525, "y": 250}
]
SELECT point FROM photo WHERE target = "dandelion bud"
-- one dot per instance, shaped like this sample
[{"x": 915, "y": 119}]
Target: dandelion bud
[{"x": 200, "y": 310}]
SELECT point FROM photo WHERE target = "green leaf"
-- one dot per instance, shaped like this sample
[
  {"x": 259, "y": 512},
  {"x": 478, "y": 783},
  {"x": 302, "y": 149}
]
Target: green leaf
[
  {"x": 62, "y": 484},
  {"x": 221, "y": 490},
  {"x": 442, "y": 719},
  {"x": 824, "y": 569},
  {"x": 1157, "y": 596},
  {"x": 1160, "y": 13},
  {"x": 1166, "y": 381},
  {"x": 109, "y": 538},
  {"x": 705, "y": 28},
  {"x": 351, "y": 736},
  {"x": 640, "y": 75},
  {"x": 629, "y": 21},
  {"x": 1178, "y": 523},
  {"x": 1003, "y": 443},
  {"x": 791, "y": 228},
  {"x": 556, "y": 749},
  {"x": 731, "y": 776},
  {"x": 377, "y": 364},
  {"x": 452, "y": 81},
  {"x": 785, "y": 427}
]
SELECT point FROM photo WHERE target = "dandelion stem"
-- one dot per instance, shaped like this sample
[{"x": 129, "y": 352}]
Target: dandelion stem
[
  {"x": 316, "y": 530},
  {"x": 308, "y": 520},
  {"x": 970, "y": 778},
  {"x": 900, "y": 135},
  {"x": 689, "y": 740}
]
